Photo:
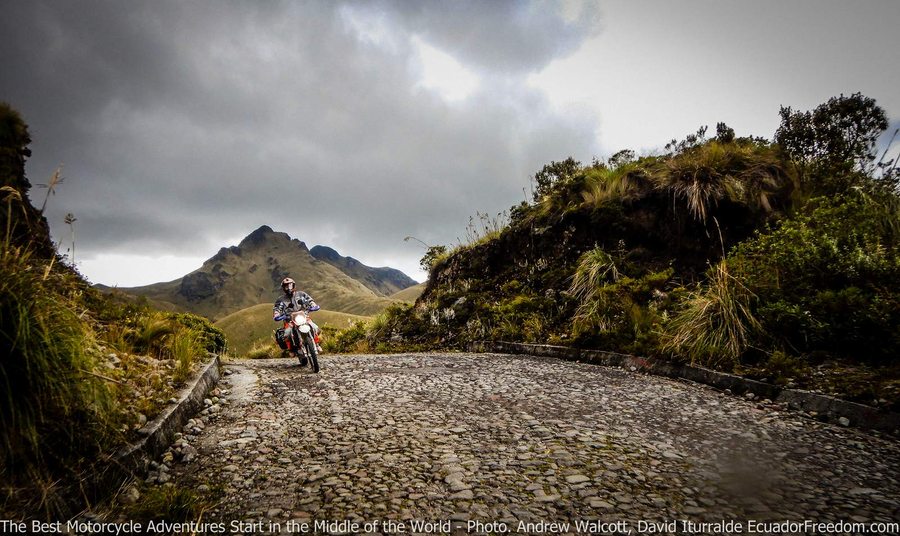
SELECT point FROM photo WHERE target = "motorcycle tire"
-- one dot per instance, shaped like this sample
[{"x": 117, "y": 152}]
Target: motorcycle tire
[
  {"x": 296, "y": 348},
  {"x": 310, "y": 346}
]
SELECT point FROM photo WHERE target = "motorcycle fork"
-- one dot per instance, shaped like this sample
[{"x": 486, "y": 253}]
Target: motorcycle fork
[{"x": 289, "y": 339}]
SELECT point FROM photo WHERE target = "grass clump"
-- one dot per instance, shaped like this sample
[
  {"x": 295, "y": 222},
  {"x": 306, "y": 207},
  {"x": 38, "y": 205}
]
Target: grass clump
[
  {"x": 263, "y": 350},
  {"x": 45, "y": 365},
  {"x": 716, "y": 323}
]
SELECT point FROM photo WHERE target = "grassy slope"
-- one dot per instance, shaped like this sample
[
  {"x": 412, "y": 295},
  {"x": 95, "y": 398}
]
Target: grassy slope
[
  {"x": 409, "y": 295},
  {"x": 253, "y": 324}
]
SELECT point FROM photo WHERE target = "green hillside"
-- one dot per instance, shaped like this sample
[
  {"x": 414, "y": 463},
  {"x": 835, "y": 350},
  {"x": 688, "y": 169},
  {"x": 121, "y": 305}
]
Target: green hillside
[
  {"x": 250, "y": 273},
  {"x": 254, "y": 324}
]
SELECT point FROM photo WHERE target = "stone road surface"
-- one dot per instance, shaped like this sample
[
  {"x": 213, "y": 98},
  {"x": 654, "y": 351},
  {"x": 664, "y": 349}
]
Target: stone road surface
[{"x": 516, "y": 439}]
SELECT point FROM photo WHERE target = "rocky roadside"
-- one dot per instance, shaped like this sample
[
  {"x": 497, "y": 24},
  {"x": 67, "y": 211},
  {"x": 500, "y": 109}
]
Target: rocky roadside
[{"x": 514, "y": 440}]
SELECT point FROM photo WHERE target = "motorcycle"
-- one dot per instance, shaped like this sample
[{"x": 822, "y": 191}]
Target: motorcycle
[{"x": 299, "y": 339}]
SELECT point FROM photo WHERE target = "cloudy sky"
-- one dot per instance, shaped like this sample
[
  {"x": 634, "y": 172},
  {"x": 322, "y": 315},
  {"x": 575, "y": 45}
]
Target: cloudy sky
[{"x": 183, "y": 126}]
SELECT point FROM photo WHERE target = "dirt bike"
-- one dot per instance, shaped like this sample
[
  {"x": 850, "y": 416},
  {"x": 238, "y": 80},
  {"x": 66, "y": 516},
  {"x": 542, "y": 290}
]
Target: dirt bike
[{"x": 298, "y": 339}]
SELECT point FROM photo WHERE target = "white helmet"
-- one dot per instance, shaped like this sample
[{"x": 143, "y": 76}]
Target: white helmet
[{"x": 287, "y": 284}]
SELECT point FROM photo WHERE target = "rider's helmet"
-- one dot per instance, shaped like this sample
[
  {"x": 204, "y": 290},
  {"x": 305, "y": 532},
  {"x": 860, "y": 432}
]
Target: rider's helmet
[{"x": 287, "y": 284}]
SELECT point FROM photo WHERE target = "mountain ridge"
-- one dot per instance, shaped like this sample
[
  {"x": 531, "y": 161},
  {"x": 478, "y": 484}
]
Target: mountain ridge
[
  {"x": 250, "y": 273},
  {"x": 384, "y": 281}
]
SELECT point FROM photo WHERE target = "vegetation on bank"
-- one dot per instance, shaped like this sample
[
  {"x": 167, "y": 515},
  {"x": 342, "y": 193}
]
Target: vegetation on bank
[
  {"x": 80, "y": 370},
  {"x": 778, "y": 259}
]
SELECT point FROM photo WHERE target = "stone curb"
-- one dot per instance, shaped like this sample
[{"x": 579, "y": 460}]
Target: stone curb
[
  {"x": 158, "y": 434},
  {"x": 826, "y": 407}
]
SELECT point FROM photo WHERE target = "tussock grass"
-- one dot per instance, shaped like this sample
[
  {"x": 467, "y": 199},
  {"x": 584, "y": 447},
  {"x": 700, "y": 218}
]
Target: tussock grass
[
  {"x": 625, "y": 182},
  {"x": 263, "y": 350},
  {"x": 700, "y": 177},
  {"x": 717, "y": 323},
  {"x": 76, "y": 367},
  {"x": 595, "y": 269},
  {"x": 66, "y": 401},
  {"x": 704, "y": 175}
]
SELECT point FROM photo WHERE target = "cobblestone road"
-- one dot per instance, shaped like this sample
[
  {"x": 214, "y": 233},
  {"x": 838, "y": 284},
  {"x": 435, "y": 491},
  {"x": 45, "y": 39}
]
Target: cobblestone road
[{"x": 517, "y": 440}]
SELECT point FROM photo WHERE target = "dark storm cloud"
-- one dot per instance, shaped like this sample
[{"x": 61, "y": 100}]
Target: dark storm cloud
[
  {"x": 505, "y": 36},
  {"x": 181, "y": 124}
]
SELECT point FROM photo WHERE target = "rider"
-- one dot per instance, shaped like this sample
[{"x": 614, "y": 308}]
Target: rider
[{"x": 293, "y": 300}]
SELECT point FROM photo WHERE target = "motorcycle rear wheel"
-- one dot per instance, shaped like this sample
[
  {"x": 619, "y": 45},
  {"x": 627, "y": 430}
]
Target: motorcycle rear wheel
[{"x": 310, "y": 346}]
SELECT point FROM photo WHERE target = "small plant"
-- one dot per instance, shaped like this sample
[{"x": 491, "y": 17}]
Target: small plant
[
  {"x": 264, "y": 350},
  {"x": 70, "y": 220},
  {"x": 482, "y": 227},
  {"x": 783, "y": 367},
  {"x": 186, "y": 346}
]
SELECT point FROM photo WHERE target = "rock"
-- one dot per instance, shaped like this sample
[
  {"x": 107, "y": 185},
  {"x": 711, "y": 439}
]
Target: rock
[
  {"x": 577, "y": 479},
  {"x": 596, "y": 502},
  {"x": 188, "y": 453},
  {"x": 844, "y": 421},
  {"x": 131, "y": 495},
  {"x": 465, "y": 494}
]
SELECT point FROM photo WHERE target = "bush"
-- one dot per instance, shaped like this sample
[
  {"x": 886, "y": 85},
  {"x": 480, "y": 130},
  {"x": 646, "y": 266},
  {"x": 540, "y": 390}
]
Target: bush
[
  {"x": 826, "y": 279},
  {"x": 212, "y": 338},
  {"x": 350, "y": 340}
]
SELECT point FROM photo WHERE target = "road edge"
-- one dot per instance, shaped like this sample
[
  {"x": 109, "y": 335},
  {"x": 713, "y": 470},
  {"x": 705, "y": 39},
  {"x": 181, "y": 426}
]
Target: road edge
[
  {"x": 134, "y": 458},
  {"x": 823, "y": 407}
]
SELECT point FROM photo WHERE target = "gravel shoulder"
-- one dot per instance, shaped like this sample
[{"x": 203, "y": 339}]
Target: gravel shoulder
[{"x": 516, "y": 439}]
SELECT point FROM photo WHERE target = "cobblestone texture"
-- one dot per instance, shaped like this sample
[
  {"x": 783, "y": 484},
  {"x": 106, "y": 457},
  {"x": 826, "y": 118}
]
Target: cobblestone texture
[{"x": 512, "y": 438}]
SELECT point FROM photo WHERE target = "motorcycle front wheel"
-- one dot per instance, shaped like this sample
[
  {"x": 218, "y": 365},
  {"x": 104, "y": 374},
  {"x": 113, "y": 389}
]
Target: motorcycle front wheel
[{"x": 310, "y": 346}]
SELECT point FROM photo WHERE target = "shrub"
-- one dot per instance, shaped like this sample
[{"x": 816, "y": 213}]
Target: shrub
[
  {"x": 824, "y": 278},
  {"x": 212, "y": 338}
]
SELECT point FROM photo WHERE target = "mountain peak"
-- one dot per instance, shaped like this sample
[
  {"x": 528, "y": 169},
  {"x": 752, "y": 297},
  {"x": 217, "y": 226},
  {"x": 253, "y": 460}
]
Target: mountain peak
[
  {"x": 266, "y": 236},
  {"x": 324, "y": 252},
  {"x": 258, "y": 236}
]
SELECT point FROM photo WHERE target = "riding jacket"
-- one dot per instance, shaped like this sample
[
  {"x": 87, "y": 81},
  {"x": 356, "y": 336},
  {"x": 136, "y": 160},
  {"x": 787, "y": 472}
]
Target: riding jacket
[{"x": 298, "y": 299}]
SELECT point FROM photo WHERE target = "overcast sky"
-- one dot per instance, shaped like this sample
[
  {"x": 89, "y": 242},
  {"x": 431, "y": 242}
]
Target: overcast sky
[{"x": 184, "y": 126}]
